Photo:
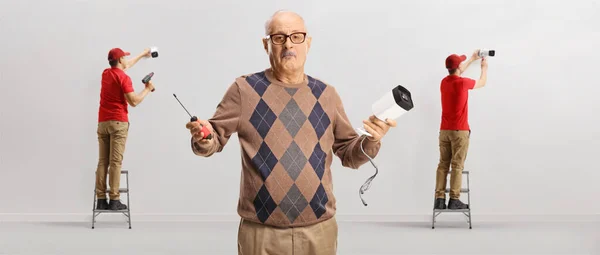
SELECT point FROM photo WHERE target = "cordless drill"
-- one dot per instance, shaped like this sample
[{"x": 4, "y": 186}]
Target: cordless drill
[{"x": 147, "y": 79}]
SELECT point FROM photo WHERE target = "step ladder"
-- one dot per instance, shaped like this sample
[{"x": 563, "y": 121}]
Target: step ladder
[
  {"x": 466, "y": 212},
  {"x": 125, "y": 212}
]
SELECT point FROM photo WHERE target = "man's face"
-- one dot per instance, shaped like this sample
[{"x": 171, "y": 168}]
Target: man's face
[{"x": 287, "y": 44}]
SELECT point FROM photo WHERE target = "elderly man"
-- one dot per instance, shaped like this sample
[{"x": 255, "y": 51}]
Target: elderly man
[{"x": 289, "y": 126}]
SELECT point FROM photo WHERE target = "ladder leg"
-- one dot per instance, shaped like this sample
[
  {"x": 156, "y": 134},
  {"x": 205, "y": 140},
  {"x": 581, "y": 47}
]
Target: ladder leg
[
  {"x": 128, "y": 205},
  {"x": 94, "y": 208},
  {"x": 93, "y": 217},
  {"x": 433, "y": 214},
  {"x": 469, "y": 200},
  {"x": 433, "y": 220}
]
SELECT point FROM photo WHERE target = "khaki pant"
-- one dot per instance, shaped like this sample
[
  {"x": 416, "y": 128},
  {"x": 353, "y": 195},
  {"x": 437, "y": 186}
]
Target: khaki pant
[
  {"x": 454, "y": 145},
  {"x": 258, "y": 239},
  {"x": 112, "y": 136}
]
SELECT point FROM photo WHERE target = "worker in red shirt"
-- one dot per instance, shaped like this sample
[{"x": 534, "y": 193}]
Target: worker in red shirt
[
  {"x": 113, "y": 123},
  {"x": 454, "y": 129}
]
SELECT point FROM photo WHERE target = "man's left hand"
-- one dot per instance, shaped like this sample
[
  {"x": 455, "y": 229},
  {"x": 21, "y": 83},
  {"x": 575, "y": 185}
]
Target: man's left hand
[
  {"x": 475, "y": 55},
  {"x": 377, "y": 128}
]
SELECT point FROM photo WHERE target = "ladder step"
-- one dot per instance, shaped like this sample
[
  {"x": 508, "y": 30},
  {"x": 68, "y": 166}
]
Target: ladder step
[
  {"x": 464, "y": 190},
  {"x": 452, "y": 210},
  {"x": 111, "y": 211},
  {"x": 124, "y": 190},
  {"x": 124, "y": 171},
  {"x": 464, "y": 172}
]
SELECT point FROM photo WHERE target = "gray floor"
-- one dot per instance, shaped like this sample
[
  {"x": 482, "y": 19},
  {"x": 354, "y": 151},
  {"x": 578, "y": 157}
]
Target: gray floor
[{"x": 355, "y": 238}]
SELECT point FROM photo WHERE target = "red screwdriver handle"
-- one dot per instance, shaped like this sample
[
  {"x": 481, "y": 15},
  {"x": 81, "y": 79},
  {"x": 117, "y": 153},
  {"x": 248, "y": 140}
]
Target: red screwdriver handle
[{"x": 207, "y": 134}]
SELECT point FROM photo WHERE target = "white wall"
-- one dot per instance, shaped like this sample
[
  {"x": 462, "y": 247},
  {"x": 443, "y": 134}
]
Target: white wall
[{"x": 534, "y": 141}]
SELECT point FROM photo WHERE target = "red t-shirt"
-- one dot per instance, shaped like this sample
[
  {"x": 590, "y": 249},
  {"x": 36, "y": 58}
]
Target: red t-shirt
[
  {"x": 113, "y": 105},
  {"x": 455, "y": 102}
]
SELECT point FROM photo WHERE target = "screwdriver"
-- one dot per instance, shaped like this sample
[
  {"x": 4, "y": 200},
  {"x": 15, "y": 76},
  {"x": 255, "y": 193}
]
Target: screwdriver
[{"x": 207, "y": 134}]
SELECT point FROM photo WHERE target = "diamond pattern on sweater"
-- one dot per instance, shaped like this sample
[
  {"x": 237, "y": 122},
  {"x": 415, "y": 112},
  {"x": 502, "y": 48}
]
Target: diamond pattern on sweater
[
  {"x": 264, "y": 161},
  {"x": 307, "y": 182},
  {"x": 293, "y": 160},
  {"x": 279, "y": 182},
  {"x": 258, "y": 82},
  {"x": 290, "y": 160},
  {"x": 263, "y": 117},
  {"x": 291, "y": 91},
  {"x": 292, "y": 117},
  {"x": 317, "y": 87},
  {"x": 318, "y": 202},
  {"x": 317, "y": 160},
  {"x": 319, "y": 119},
  {"x": 264, "y": 204},
  {"x": 279, "y": 139},
  {"x": 293, "y": 204},
  {"x": 277, "y": 98}
]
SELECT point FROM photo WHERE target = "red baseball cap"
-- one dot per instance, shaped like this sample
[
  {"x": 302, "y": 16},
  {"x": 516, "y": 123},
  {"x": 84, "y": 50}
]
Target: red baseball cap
[
  {"x": 454, "y": 60},
  {"x": 117, "y": 53}
]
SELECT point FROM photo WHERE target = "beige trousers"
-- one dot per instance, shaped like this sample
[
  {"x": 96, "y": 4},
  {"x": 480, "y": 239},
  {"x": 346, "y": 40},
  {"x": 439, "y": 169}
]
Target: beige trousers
[
  {"x": 454, "y": 145},
  {"x": 259, "y": 239},
  {"x": 112, "y": 136}
]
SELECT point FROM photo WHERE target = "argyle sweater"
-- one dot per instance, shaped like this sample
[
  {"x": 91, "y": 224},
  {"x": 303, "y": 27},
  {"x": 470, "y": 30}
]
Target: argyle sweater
[{"x": 288, "y": 135}]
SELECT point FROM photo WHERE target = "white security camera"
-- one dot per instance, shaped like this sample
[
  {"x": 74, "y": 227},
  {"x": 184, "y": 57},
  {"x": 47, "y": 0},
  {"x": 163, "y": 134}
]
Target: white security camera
[
  {"x": 487, "y": 53},
  {"x": 154, "y": 52},
  {"x": 391, "y": 106}
]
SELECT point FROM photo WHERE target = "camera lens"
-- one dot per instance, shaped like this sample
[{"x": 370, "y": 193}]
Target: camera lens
[
  {"x": 404, "y": 97},
  {"x": 492, "y": 53}
]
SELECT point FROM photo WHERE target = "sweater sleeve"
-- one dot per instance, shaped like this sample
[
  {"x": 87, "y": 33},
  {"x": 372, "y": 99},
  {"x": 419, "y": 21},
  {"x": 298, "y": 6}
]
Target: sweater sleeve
[
  {"x": 224, "y": 123},
  {"x": 347, "y": 143}
]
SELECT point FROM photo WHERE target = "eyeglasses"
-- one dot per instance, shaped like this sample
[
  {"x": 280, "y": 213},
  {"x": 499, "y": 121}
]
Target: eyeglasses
[{"x": 296, "y": 38}]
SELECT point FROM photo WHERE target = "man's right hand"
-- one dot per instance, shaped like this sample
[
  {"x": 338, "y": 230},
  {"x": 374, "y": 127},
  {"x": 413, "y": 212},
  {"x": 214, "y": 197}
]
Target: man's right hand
[
  {"x": 150, "y": 86},
  {"x": 195, "y": 128},
  {"x": 483, "y": 78}
]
